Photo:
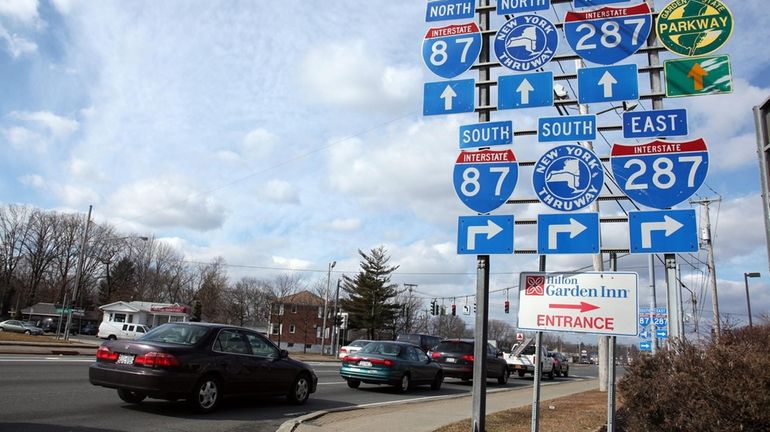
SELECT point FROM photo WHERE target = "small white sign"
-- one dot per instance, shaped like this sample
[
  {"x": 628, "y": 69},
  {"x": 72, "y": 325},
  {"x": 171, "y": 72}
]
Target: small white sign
[{"x": 593, "y": 302}]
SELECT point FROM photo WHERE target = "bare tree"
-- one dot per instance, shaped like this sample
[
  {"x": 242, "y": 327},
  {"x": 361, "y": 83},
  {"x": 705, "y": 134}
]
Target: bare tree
[
  {"x": 39, "y": 251},
  {"x": 448, "y": 326},
  {"x": 213, "y": 283},
  {"x": 282, "y": 286},
  {"x": 66, "y": 252},
  {"x": 14, "y": 228},
  {"x": 247, "y": 302}
]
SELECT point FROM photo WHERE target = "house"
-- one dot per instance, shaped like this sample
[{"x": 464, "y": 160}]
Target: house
[
  {"x": 49, "y": 315},
  {"x": 147, "y": 313},
  {"x": 296, "y": 321}
]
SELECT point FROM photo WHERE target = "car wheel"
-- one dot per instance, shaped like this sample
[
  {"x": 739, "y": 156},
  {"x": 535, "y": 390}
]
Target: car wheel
[
  {"x": 565, "y": 372},
  {"x": 522, "y": 373},
  {"x": 550, "y": 374},
  {"x": 206, "y": 395},
  {"x": 27, "y": 332},
  {"x": 111, "y": 337},
  {"x": 300, "y": 390},
  {"x": 131, "y": 397},
  {"x": 503, "y": 379},
  {"x": 436, "y": 384},
  {"x": 403, "y": 386},
  {"x": 354, "y": 383}
]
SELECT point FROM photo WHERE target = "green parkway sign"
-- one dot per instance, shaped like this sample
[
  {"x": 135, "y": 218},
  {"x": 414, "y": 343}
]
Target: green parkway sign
[
  {"x": 698, "y": 76},
  {"x": 694, "y": 27}
]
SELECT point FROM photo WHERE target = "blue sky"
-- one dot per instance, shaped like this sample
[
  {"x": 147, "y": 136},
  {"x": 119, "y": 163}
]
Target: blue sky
[{"x": 286, "y": 136}]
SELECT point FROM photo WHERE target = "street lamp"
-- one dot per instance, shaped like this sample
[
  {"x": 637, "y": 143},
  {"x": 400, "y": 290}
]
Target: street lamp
[
  {"x": 326, "y": 302},
  {"x": 746, "y": 277}
]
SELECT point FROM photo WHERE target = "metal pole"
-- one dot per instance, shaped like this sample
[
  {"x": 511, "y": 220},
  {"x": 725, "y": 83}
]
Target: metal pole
[
  {"x": 535, "y": 426},
  {"x": 748, "y": 301},
  {"x": 763, "y": 142},
  {"x": 653, "y": 299},
  {"x": 335, "y": 333},
  {"x": 681, "y": 300},
  {"x": 611, "y": 371},
  {"x": 326, "y": 302},
  {"x": 672, "y": 289},
  {"x": 716, "y": 326},
  {"x": 78, "y": 276}
]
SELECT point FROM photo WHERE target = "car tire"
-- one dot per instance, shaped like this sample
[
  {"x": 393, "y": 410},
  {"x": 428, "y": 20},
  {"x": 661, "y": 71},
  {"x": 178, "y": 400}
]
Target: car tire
[
  {"x": 503, "y": 379},
  {"x": 550, "y": 374},
  {"x": 436, "y": 384},
  {"x": 354, "y": 383},
  {"x": 131, "y": 397},
  {"x": 403, "y": 385},
  {"x": 522, "y": 373},
  {"x": 564, "y": 373},
  {"x": 300, "y": 390},
  {"x": 111, "y": 337},
  {"x": 206, "y": 394}
]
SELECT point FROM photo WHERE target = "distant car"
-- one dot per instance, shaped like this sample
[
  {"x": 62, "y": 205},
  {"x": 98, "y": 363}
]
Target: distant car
[
  {"x": 17, "y": 326},
  {"x": 560, "y": 364},
  {"x": 426, "y": 342},
  {"x": 202, "y": 363},
  {"x": 400, "y": 364},
  {"x": 89, "y": 330},
  {"x": 456, "y": 358},
  {"x": 352, "y": 347}
]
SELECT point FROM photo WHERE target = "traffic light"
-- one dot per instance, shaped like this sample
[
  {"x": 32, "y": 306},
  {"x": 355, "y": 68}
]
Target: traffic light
[
  {"x": 474, "y": 307},
  {"x": 433, "y": 305},
  {"x": 507, "y": 306},
  {"x": 454, "y": 309}
]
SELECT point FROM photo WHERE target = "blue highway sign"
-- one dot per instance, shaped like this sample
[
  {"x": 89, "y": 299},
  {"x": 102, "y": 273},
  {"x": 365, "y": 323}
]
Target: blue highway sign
[
  {"x": 451, "y": 50},
  {"x": 510, "y": 7},
  {"x": 486, "y": 134},
  {"x": 592, "y": 3},
  {"x": 571, "y": 233},
  {"x": 449, "y": 97},
  {"x": 526, "y": 42},
  {"x": 484, "y": 180},
  {"x": 566, "y": 128},
  {"x": 525, "y": 90},
  {"x": 607, "y": 84},
  {"x": 663, "y": 231},
  {"x": 645, "y": 346},
  {"x": 608, "y": 35},
  {"x": 482, "y": 235},
  {"x": 661, "y": 333},
  {"x": 657, "y": 123},
  {"x": 568, "y": 177},
  {"x": 443, "y": 10},
  {"x": 660, "y": 174}
]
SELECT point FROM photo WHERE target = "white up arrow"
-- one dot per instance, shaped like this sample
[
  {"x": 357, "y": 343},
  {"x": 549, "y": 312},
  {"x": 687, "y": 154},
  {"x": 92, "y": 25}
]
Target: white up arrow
[
  {"x": 524, "y": 89},
  {"x": 491, "y": 229},
  {"x": 607, "y": 81},
  {"x": 573, "y": 228},
  {"x": 448, "y": 95},
  {"x": 669, "y": 224}
]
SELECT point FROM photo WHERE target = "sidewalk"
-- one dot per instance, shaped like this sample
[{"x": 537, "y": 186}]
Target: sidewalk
[
  {"x": 427, "y": 416},
  {"x": 73, "y": 347}
]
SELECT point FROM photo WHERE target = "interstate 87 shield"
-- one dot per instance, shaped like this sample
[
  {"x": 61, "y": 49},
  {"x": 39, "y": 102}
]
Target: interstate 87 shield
[
  {"x": 660, "y": 174},
  {"x": 608, "y": 35},
  {"x": 485, "y": 179},
  {"x": 451, "y": 50}
]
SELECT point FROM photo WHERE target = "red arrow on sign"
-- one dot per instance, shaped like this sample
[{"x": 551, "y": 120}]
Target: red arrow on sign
[{"x": 583, "y": 306}]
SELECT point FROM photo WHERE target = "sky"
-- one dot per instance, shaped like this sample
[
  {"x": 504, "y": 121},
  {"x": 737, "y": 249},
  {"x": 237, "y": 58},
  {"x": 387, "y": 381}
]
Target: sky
[{"x": 284, "y": 136}]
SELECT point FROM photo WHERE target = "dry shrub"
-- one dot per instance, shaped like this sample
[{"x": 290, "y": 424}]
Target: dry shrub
[{"x": 721, "y": 386}]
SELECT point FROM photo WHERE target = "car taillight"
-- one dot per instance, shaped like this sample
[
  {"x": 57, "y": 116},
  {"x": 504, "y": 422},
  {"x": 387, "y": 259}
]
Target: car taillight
[
  {"x": 343, "y": 350},
  {"x": 104, "y": 354},
  {"x": 435, "y": 355},
  {"x": 468, "y": 357},
  {"x": 156, "y": 359},
  {"x": 381, "y": 362},
  {"x": 350, "y": 359}
]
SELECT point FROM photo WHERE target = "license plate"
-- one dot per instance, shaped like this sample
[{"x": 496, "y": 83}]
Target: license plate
[
  {"x": 125, "y": 359},
  {"x": 365, "y": 363},
  {"x": 451, "y": 360}
]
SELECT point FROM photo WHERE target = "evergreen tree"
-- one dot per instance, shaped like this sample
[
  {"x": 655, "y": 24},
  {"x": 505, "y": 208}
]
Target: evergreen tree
[{"x": 370, "y": 294}]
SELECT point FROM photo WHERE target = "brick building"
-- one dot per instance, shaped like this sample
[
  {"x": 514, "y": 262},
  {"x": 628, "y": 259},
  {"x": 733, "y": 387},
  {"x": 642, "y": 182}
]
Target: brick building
[{"x": 296, "y": 321}]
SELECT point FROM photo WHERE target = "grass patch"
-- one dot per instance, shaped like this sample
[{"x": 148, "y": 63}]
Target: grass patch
[
  {"x": 579, "y": 412},
  {"x": 21, "y": 337}
]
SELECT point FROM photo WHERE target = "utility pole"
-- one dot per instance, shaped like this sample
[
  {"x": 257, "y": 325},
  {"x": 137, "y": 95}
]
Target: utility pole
[
  {"x": 706, "y": 243},
  {"x": 326, "y": 302},
  {"x": 78, "y": 276},
  {"x": 336, "y": 327},
  {"x": 408, "y": 323}
]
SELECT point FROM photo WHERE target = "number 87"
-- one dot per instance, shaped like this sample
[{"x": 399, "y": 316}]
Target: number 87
[
  {"x": 470, "y": 186},
  {"x": 439, "y": 55}
]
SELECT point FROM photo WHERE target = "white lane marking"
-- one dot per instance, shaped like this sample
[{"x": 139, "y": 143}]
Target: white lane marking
[
  {"x": 332, "y": 383},
  {"x": 46, "y": 359}
]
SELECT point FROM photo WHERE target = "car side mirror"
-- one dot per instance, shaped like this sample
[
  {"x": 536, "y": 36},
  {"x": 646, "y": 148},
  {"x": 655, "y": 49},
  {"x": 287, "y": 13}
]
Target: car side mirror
[{"x": 283, "y": 354}]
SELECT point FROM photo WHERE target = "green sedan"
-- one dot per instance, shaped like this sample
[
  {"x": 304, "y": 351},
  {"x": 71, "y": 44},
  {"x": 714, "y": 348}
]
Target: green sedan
[{"x": 400, "y": 364}]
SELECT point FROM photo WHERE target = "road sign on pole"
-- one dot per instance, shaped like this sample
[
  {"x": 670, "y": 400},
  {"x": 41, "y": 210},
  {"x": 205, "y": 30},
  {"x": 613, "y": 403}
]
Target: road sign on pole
[
  {"x": 485, "y": 235},
  {"x": 525, "y": 90},
  {"x": 656, "y": 123},
  {"x": 566, "y": 128},
  {"x": 449, "y": 97},
  {"x": 663, "y": 231},
  {"x": 594, "y": 302},
  {"x": 572, "y": 233},
  {"x": 510, "y": 7},
  {"x": 607, "y": 84},
  {"x": 451, "y": 50},
  {"x": 608, "y": 35},
  {"x": 694, "y": 27},
  {"x": 526, "y": 42},
  {"x": 698, "y": 76},
  {"x": 486, "y": 134},
  {"x": 568, "y": 177},
  {"x": 660, "y": 174},
  {"x": 443, "y": 10},
  {"x": 485, "y": 179}
]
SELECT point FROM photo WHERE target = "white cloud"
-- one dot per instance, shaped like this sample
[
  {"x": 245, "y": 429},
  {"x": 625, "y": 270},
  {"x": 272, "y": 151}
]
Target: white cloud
[
  {"x": 24, "y": 11},
  {"x": 344, "y": 225},
  {"x": 59, "y": 127},
  {"x": 279, "y": 192},
  {"x": 167, "y": 203},
  {"x": 291, "y": 263},
  {"x": 258, "y": 141},
  {"x": 17, "y": 45},
  {"x": 348, "y": 74},
  {"x": 32, "y": 180},
  {"x": 75, "y": 196}
]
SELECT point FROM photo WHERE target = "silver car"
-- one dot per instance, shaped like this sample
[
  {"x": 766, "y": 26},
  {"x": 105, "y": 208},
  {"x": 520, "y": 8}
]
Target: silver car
[{"x": 17, "y": 326}]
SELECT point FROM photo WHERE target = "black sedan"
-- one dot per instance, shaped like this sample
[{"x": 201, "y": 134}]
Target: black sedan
[
  {"x": 456, "y": 359},
  {"x": 200, "y": 362}
]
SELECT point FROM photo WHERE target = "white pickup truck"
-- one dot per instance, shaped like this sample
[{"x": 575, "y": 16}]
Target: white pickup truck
[{"x": 521, "y": 359}]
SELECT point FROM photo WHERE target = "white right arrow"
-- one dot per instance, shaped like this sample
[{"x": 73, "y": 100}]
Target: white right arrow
[
  {"x": 669, "y": 224},
  {"x": 491, "y": 229},
  {"x": 607, "y": 81},
  {"x": 573, "y": 228},
  {"x": 448, "y": 95},
  {"x": 524, "y": 89}
]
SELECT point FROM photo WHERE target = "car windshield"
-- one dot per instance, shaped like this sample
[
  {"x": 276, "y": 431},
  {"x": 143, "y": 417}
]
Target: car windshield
[
  {"x": 412, "y": 339},
  {"x": 175, "y": 334},
  {"x": 454, "y": 347},
  {"x": 359, "y": 343},
  {"x": 383, "y": 348}
]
